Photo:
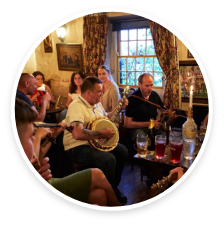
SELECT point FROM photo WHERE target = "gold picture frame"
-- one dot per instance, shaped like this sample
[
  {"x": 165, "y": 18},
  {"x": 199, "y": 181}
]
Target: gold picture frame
[
  {"x": 48, "y": 48},
  {"x": 69, "y": 57},
  {"x": 189, "y": 55}
]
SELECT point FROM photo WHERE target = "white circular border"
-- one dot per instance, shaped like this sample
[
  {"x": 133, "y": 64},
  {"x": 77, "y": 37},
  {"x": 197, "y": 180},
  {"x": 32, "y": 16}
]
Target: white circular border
[{"x": 137, "y": 204}]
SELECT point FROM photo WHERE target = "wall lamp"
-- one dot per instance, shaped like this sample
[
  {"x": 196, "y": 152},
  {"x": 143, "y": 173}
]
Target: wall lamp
[{"x": 61, "y": 33}]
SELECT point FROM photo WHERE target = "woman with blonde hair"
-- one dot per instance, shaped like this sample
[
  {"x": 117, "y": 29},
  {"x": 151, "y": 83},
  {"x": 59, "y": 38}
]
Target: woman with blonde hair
[{"x": 111, "y": 94}]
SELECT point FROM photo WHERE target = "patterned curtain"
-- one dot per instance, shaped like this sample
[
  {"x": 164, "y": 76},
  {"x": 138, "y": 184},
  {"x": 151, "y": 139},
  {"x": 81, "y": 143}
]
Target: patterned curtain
[
  {"x": 94, "y": 43},
  {"x": 166, "y": 48}
]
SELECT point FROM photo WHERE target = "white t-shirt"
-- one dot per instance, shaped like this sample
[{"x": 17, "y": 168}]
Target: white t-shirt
[
  {"x": 80, "y": 111},
  {"x": 73, "y": 96}
]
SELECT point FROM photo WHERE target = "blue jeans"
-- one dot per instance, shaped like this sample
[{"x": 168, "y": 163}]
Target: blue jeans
[
  {"x": 63, "y": 114},
  {"x": 111, "y": 163},
  {"x": 134, "y": 132}
]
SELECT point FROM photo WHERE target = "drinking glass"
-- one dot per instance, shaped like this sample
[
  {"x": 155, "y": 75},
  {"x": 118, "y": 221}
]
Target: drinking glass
[
  {"x": 160, "y": 145},
  {"x": 202, "y": 133},
  {"x": 189, "y": 147},
  {"x": 176, "y": 146},
  {"x": 142, "y": 145},
  {"x": 203, "y": 128}
]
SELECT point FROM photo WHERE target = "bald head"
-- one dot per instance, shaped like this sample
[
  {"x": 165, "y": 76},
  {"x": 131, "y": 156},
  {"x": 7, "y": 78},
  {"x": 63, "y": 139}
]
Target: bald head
[
  {"x": 146, "y": 76},
  {"x": 24, "y": 77},
  {"x": 27, "y": 83}
]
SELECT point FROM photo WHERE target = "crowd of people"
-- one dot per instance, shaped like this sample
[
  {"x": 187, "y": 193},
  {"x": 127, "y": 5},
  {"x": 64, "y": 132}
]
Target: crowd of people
[{"x": 88, "y": 97}]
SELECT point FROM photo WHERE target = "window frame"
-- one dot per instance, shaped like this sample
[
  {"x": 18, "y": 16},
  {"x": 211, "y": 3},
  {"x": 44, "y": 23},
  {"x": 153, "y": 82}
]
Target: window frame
[{"x": 133, "y": 56}]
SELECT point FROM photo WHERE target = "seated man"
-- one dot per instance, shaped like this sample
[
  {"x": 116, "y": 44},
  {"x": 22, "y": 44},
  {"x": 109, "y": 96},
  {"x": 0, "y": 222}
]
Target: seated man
[
  {"x": 80, "y": 112},
  {"x": 138, "y": 112},
  {"x": 89, "y": 186},
  {"x": 26, "y": 86}
]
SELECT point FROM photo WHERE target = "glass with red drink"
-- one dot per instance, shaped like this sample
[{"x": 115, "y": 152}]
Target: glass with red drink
[
  {"x": 160, "y": 145},
  {"x": 176, "y": 145}
]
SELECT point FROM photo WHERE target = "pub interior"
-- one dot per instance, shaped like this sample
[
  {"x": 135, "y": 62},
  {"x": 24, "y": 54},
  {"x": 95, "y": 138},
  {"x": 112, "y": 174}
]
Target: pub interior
[{"x": 129, "y": 46}]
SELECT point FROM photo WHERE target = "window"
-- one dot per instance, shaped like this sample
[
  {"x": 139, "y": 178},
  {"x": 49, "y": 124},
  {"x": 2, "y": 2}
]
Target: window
[{"x": 136, "y": 56}]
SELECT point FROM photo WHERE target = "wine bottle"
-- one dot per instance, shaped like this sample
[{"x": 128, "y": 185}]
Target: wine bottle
[
  {"x": 151, "y": 135},
  {"x": 189, "y": 130}
]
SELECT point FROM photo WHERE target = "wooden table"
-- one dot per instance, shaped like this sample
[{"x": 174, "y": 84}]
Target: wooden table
[
  {"x": 156, "y": 169},
  {"x": 51, "y": 114}
]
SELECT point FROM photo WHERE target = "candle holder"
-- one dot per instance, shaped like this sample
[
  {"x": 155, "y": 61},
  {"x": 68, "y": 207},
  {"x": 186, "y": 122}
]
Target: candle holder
[{"x": 56, "y": 105}]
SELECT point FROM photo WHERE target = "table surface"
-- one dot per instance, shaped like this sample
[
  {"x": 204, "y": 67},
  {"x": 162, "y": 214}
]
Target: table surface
[
  {"x": 166, "y": 160},
  {"x": 54, "y": 110}
]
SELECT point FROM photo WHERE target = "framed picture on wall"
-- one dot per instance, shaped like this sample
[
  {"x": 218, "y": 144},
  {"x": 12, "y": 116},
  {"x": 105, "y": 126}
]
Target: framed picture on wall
[
  {"x": 189, "y": 55},
  {"x": 48, "y": 44},
  {"x": 69, "y": 57},
  {"x": 190, "y": 74}
]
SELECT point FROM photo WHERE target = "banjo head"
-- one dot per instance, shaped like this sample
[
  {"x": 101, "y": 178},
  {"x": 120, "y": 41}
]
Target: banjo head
[{"x": 99, "y": 123}]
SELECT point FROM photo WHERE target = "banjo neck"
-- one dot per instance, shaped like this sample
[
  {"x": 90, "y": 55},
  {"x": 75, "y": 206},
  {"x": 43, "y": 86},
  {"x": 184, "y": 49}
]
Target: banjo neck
[{"x": 118, "y": 108}]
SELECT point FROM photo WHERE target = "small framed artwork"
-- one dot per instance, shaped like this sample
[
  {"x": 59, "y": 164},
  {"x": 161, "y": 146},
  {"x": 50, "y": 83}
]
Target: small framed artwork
[
  {"x": 48, "y": 44},
  {"x": 190, "y": 74},
  {"x": 69, "y": 57},
  {"x": 189, "y": 55}
]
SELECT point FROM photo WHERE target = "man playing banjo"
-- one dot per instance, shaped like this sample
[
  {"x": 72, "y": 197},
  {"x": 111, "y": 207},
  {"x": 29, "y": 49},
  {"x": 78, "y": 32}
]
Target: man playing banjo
[{"x": 80, "y": 112}]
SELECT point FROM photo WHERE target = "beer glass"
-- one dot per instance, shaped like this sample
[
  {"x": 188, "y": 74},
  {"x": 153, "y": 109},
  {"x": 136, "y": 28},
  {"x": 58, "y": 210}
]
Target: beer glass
[
  {"x": 203, "y": 128},
  {"x": 176, "y": 146},
  {"x": 160, "y": 145},
  {"x": 142, "y": 145},
  {"x": 202, "y": 133}
]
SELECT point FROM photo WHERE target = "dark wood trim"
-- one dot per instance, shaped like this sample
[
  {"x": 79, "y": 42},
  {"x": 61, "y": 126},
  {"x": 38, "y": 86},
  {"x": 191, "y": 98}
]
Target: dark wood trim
[
  {"x": 196, "y": 100},
  {"x": 188, "y": 63}
]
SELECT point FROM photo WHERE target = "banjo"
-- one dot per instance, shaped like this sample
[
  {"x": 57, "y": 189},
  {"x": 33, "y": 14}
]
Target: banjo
[{"x": 102, "y": 122}]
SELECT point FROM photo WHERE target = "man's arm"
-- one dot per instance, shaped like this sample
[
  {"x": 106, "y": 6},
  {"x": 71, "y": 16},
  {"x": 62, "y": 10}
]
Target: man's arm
[
  {"x": 42, "y": 112},
  {"x": 41, "y": 133},
  {"x": 79, "y": 133},
  {"x": 129, "y": 123},
  {"x": 47, "y": 144}
]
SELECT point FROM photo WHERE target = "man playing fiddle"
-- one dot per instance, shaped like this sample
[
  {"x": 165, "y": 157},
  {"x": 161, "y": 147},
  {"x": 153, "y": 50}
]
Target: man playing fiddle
[
  {"x": 80, "y": 112},
  {"x": 139, "y": 112}
]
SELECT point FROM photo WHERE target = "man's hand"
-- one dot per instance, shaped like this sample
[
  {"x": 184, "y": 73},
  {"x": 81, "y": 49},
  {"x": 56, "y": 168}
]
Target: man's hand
[
  {"x": 180, "y": 172},
  {"x": 125, "y": 103},
  {"x": 157, "y": 124},
  {"x": 34, "y": 98},
  {"x": 44, "y": 170},
  {"x": 107, "y": 133},
  {"x": 46, "y": 98},
  {"x": 60, "y": 129}
]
